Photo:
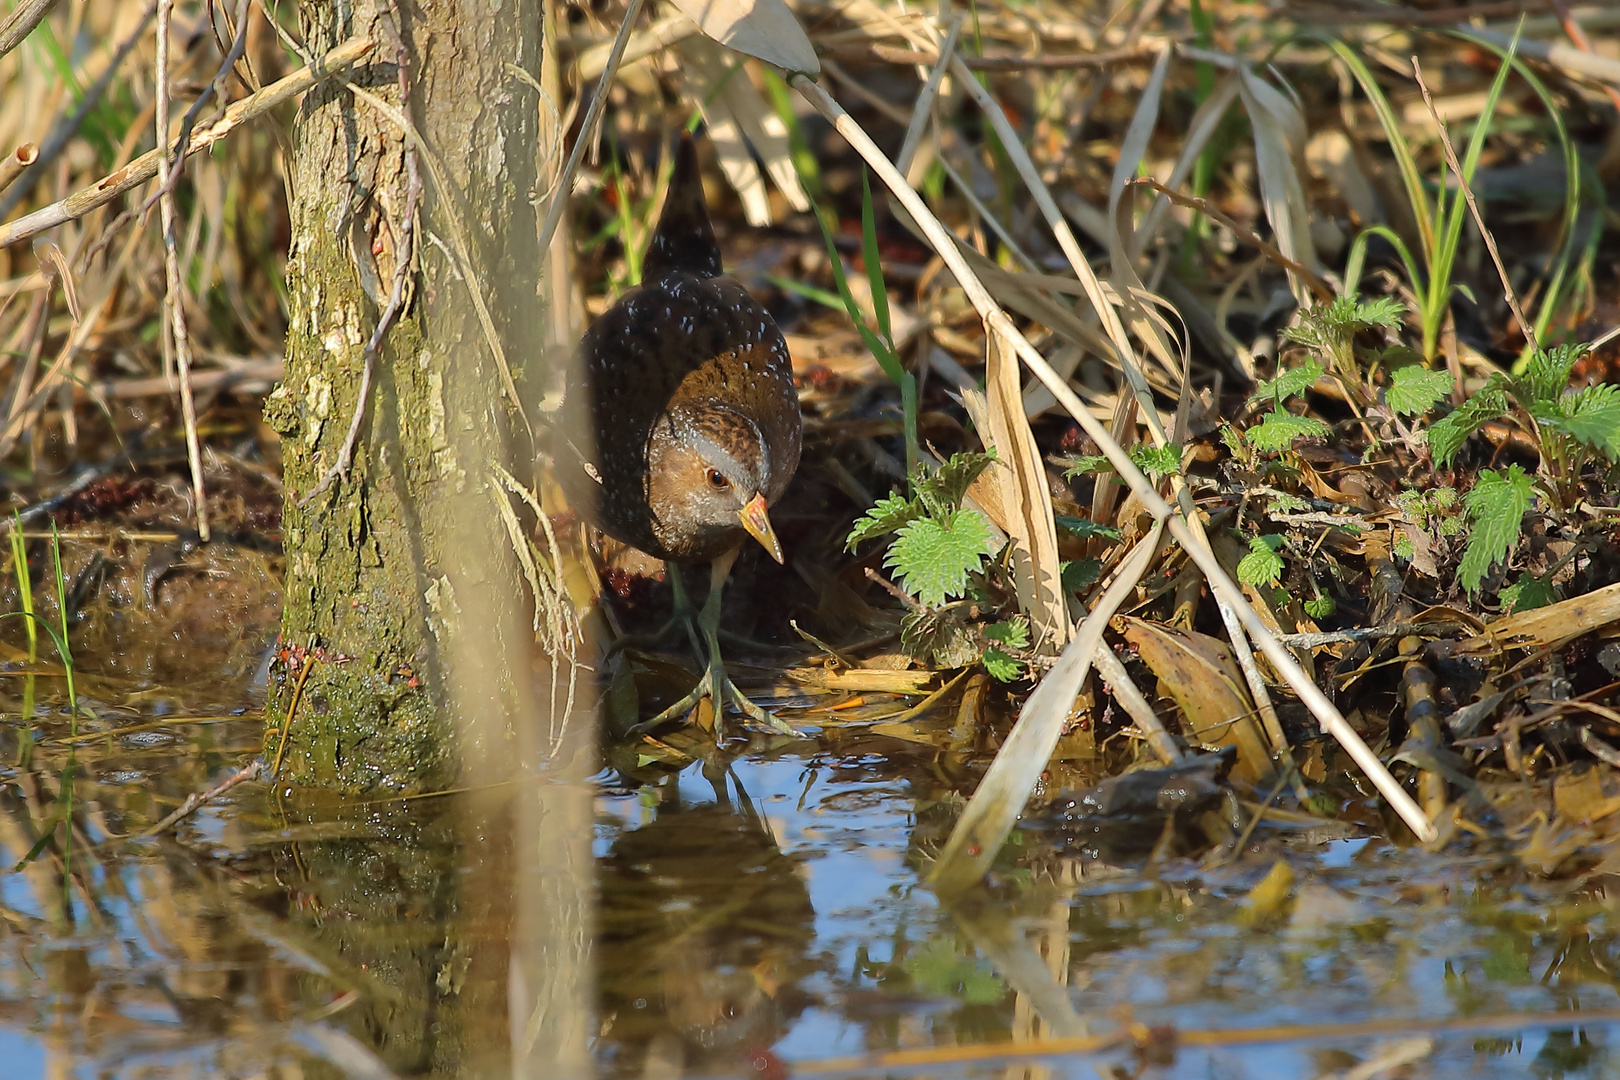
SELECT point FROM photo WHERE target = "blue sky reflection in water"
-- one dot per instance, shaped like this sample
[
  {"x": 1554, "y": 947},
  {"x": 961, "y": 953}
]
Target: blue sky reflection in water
[{"x": 756, "y": 920}]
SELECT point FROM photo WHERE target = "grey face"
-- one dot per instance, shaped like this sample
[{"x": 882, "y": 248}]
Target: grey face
[{"x": 704, "y": 465}]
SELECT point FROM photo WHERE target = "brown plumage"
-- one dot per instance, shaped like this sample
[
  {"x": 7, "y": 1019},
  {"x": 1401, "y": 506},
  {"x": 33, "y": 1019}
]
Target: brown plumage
[{"x": 680, "y": 406}]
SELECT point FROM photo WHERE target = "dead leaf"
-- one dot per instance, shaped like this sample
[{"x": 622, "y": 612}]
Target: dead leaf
[
  {"x": 1199, "y": 672},
  {"x": 766, "y": 29}
]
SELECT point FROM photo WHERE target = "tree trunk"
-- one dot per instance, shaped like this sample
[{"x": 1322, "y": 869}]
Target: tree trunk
[{"x": 401, "y": 577}]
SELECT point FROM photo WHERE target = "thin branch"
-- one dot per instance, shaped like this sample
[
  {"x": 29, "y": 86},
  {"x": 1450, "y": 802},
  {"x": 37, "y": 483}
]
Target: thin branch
[
  {"x": 563, "y": 188},
  {"x": 28, "y": 15},
  {"x": 404, "y": 255},
  {"x": 145, "y": 167},
  {"x": 1323, "y": 291},
  {"x": 198, "y": 799},
  {"x": 190, "y": 119}
]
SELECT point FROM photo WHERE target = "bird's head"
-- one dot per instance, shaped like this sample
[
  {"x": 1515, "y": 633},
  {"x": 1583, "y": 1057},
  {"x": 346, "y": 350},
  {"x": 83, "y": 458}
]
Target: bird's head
[{"x": 709, "y": 469}]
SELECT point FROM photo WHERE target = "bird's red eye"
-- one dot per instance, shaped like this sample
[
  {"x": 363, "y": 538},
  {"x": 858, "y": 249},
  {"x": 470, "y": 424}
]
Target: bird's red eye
[{"x": 717, "y": 480}]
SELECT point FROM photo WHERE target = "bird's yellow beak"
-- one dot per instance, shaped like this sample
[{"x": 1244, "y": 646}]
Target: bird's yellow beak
[{"x": 758, "y": 523}]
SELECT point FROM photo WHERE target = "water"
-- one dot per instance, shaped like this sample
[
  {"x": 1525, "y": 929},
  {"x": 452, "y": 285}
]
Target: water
[{"x": 758, "y": 916}]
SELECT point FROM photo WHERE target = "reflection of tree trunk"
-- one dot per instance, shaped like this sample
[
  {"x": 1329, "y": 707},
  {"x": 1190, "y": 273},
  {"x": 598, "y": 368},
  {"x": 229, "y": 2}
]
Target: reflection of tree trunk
[{"x": 404, "y": 567}]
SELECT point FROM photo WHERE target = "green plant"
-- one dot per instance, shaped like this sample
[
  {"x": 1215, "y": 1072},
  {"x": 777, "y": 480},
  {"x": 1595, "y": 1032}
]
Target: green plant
[
  {"x": 1440, "y": 218},
  {"x": 1572, "y": 428},
  {"x": 881, "y": 344},
  {"x": 1156, "y": 461},
  {"x": 939, "y": 545},
  {"x": 59, "y": 637},
  {"x": 1496, "y": 508}
]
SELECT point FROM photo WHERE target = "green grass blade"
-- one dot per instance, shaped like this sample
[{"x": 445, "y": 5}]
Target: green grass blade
[
  {"x": 25, "y": 584},
  {"x": 1410, "y": 177},
  {"x": 62, "y": 646},
  {"x": 874, "y": 264}
]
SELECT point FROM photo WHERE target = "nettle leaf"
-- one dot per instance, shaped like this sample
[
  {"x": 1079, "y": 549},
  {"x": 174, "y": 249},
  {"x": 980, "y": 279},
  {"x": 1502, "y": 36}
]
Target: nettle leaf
[
  {"x": 1290, "y": 383},
  {"x": 1320, "y": 607},
  {"x": 1385, "y": 311},
  {"x": 1086, "y": 463},
  {"x": 887, "y": 516},
  {"x": 943, "y": 489},
  {"x": 1284, "y": 503},
  {"x": 1262, "y": 565},
  {"x": 1003, "y": 667},
  {"x": 1547, "y": 375},
  {"x": 1157, "y": 461},
  {"x": 1447, "y": 435},
  {"x": 1593, "y": 417},
  {"x": 1528, "y": 593},
  {"x": 1496, "y": 506},
  {"x": 940, "y": 637},
  {"x": 934, "y": 555},
  {"x": 1414, "y": 390},
  {"x": 1080, "y": 574},
  {"x": 1330, "y": 325},
  {"x": 1014, "y": 633},
  {"x": 1281, "y": 430},
  {"x": 1085, "y": 528}
]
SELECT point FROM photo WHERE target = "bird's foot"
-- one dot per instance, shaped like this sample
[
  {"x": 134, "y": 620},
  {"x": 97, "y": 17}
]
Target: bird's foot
[{"x": 718, "y": 688}]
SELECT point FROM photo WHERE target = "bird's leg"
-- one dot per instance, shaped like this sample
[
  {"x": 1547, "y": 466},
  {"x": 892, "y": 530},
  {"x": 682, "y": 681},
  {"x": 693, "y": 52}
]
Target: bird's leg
[
  {"x": 715, "y": 685},
  {"x": 682, "y": 616}
]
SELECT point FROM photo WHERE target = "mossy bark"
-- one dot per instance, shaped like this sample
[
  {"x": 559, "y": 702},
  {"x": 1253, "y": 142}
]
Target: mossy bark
[{"x": 400, "y": 577}]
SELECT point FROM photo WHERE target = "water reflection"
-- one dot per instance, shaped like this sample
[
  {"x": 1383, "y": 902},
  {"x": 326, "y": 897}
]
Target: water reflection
[
  {"x": 755, "y": 916},
  {"x": 704, "y": 926}
]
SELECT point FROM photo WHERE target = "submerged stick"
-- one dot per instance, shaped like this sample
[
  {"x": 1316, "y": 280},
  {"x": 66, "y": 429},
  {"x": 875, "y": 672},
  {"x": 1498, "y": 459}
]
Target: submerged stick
[{"x": 1226, "y": 591}]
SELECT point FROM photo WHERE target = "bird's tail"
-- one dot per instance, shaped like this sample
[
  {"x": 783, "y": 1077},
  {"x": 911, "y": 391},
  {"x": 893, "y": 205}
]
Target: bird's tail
[{"x": 684, "y": 239}]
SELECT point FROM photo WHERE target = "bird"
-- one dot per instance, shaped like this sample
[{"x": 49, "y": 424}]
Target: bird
[{"x": 683, "y": 420}]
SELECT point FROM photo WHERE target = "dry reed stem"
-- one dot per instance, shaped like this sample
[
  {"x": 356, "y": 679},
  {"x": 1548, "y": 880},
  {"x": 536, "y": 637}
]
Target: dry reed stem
[
  {"x": 28, "y": 15},
  {"x": 923, "y": 108},
  {"x": 565, "y": 183},
  {"x": 174, "y": 295},
  {"x": 63, "y": 130},
  {"x": 1226, "y": 591},
  {"x": 1005, "y": 787},
  {"x": 13, "y": 164},
  {"x": 145, "y": 167}
]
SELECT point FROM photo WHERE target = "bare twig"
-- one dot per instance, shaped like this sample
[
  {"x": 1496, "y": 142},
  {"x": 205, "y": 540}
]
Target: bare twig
[
  {"x": 404, "y": 255},
  {"x": 1408, "y": 16},
  {"x": 564, "y": 186},
  {"x": 888, "y": 54},
  {"x": 28, "y": 15},
  {"x": 1323, "y": 291},
  {"x": 215, "y": 86},
  {"x": 1512, "y": 298},
  {"x": 198, "y": 799},
  {"x": 175, "y": 294},
  {"x": 145, "y": 167}
]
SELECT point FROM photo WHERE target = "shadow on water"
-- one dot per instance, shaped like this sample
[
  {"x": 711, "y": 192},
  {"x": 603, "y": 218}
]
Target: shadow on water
[{"x": 756, "y": 916}]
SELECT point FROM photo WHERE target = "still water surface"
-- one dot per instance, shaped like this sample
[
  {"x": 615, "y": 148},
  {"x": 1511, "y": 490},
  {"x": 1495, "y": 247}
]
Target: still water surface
[{"x": 757, "y": 917}]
